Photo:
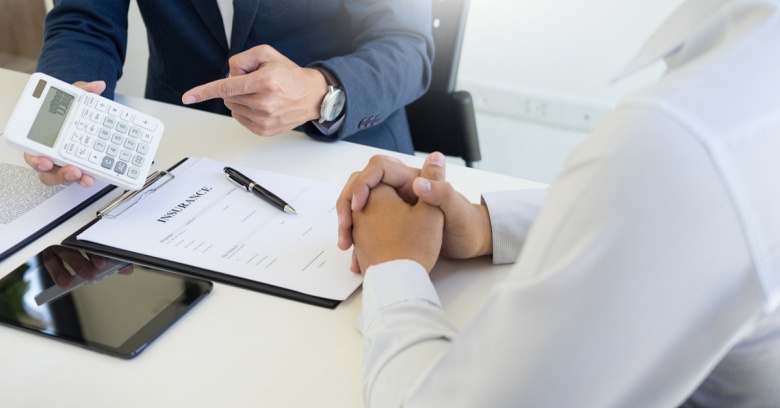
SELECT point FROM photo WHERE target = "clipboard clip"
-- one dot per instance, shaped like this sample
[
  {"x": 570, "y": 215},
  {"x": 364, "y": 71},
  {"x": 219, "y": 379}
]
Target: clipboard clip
[{"x": 106, "y": 211}]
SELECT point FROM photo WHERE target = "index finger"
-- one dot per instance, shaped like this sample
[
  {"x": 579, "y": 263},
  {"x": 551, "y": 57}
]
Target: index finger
[
  {"x": 380, "y": 169},
  {"x": 221, "y": 88},
  {"x": 386, "y": 170}
]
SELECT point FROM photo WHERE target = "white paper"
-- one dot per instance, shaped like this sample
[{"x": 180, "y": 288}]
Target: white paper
[
  {"x": 26, "y": 205},
  {"x": 201, "y": 218}
]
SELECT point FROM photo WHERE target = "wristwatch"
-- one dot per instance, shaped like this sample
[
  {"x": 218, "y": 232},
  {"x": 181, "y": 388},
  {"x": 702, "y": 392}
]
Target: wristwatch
[{"x": 333, "y": 103}]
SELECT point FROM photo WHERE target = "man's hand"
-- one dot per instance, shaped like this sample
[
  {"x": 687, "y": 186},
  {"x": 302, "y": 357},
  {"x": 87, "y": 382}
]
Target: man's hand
[
  {"x": 52, "y": 175},
  {"x": 388, "y": 228},
  {"x": 267, "y": 93},
  {"x": 467, "y": 231}
]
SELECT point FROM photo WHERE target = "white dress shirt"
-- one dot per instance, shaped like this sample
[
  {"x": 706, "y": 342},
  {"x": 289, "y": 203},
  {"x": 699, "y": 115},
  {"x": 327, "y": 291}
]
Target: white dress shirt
[{"x": 651, "y": 275}]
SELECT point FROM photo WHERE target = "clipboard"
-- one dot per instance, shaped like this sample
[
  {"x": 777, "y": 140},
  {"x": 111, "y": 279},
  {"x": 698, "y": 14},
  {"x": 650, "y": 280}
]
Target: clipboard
[{"x": 155, "y": 182}]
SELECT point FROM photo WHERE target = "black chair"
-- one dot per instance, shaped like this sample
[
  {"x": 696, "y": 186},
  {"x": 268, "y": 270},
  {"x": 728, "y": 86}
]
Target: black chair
[{"x": 443, "y": 119}]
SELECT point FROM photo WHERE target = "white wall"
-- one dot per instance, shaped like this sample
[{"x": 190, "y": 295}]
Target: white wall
[{"x": 565, "y": 49}]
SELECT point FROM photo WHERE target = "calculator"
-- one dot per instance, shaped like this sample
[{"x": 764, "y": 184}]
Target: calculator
[{"x": 105, "y": 139}]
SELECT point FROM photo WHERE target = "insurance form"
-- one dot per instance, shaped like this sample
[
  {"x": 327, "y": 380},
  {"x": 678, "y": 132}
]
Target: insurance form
[{"x": 201, "y": 218}]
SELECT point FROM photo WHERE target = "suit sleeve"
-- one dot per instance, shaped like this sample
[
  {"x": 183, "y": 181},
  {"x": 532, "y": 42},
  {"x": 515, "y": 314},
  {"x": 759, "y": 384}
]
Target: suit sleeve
[
  {"x": 85, "y": 41},
  {"x": 390, "y": 66}
]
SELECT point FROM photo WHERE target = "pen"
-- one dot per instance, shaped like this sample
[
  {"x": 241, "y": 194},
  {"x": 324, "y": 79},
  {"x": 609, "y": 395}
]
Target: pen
[{"x": 249, "y": 185}]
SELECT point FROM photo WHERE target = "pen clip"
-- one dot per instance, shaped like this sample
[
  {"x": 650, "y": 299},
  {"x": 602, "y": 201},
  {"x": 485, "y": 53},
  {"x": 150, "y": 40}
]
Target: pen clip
[
  {"x": 238, "y": 181},
  {"x": 105, "y": 212}
]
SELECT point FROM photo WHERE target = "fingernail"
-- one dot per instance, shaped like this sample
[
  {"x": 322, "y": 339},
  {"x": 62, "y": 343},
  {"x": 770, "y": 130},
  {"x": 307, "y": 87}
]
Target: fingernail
[
  {"x": 424, "y": 185},
  {"x": 437, "y": 159},
  {"x": 188, "y": 99},
  {"x": 70, "y": 177}
]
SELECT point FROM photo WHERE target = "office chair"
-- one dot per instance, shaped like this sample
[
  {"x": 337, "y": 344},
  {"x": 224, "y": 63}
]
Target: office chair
[{"x": 443, "y": 119}]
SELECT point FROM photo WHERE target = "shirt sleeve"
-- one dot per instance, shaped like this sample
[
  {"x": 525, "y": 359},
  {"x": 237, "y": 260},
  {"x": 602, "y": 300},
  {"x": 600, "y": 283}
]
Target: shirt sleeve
[
  {"x": 634, "y": 281},
  {"x": 511, "y": 215},
  {"x": 399, "y": 294}
]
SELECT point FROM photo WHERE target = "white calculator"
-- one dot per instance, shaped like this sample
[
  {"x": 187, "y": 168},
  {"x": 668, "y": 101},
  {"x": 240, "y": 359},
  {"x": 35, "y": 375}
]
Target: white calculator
[{"x": 106, "y": 140}]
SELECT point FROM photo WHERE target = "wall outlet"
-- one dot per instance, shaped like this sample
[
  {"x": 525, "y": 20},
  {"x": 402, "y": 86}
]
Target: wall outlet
[{"x": 533, "y": 106}]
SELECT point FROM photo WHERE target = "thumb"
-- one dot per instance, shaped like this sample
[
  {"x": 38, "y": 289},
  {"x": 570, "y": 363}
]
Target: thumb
[
  {"x": 95, "y": 87},
  {"x": 434, "y": 167},
  {"x": 435, "y": 193}
]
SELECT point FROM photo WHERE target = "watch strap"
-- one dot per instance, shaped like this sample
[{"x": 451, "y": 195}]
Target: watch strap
[{"x": 329, "y": 78}]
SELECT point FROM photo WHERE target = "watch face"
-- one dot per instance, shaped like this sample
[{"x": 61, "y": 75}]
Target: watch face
[{"x": 332, "y": 105}]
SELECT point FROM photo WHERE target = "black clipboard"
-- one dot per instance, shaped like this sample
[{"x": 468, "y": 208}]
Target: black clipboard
[
  {"x": 56, "y": 222},
  {"x": 178, "y": 267}
]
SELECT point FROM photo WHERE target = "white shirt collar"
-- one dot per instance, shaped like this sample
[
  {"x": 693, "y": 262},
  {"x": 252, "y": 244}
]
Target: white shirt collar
[{"x": 693, "y": 22}]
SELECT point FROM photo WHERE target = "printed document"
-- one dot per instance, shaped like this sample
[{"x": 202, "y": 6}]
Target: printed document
[
  {"x": 203, "y": 219},
  {"x": 26, "y": 205}
]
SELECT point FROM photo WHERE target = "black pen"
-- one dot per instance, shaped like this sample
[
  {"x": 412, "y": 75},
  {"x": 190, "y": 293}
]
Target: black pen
[{"x": 249, "y": 185}]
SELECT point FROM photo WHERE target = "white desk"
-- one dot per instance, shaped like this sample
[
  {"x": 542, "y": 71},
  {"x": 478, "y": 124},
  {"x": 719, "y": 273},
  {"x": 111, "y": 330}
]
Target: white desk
[{"x": 238, "y": 347}]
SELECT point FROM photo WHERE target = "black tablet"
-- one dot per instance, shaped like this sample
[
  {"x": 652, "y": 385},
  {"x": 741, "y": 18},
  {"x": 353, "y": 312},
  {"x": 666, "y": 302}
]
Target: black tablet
[{"x": 119, "y": 313}]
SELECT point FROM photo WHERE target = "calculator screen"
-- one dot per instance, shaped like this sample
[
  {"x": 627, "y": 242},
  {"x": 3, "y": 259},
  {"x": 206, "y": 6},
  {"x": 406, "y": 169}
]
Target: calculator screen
[{"x": 51, "y": 117}]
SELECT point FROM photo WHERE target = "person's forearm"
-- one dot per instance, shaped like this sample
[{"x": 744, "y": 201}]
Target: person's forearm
[{"x": 404, "y": 329}]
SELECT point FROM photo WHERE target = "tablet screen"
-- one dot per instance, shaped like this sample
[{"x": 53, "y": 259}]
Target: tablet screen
[{"x": 119, "y": 314}]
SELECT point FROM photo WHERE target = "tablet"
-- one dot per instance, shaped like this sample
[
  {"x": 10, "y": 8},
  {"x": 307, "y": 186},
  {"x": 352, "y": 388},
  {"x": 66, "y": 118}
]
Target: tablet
[{"x": 120, "y": 313}]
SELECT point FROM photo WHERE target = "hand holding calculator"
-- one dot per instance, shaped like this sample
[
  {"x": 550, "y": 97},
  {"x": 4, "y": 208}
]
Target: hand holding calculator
[{"x": 107, "y": 140}]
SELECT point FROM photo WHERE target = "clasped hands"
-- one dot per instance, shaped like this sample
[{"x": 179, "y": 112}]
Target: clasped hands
[{"x": 390, "y": 211}]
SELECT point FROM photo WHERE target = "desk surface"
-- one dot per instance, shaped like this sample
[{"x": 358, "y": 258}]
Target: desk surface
[{"x": 238, "y": 347}]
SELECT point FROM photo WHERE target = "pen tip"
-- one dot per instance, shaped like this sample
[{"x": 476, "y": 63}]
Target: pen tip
[{"x": 289, "y": 210}]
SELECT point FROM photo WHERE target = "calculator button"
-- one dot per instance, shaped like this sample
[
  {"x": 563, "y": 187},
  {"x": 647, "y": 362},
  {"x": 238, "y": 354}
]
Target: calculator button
[
  {"x": 130, "y": 143},
  {"x": 101, "y": 106},
  {"x": 134, "y": 132},
  {"x": 97, "y": 117},
  {"x": 114, "y": 110},
  {"x": 81, "y": 125},
  {"x": 134, "y": 172},
  {"x": 145, "y": 122},
  {"x": 90, "y": 100},
  {"x": 147, "y": 137},
  {"x": 86, "y": 113},
  {"x": 69, "y": 148},
  {"x": 95, "y": 157},
  {"x": 109, "y": 122},
  {"x": 116, "y": 138},
  {"x": 143, "y": 148},
  {"x": 86, "y": 140},
  {"x": 127, "y": 116},
  {"x": 100, "y": 145},
  {"x": 122, "y": 127},
  {"x": 121, "y": 167},
  {"x": 82, "y": 152},
  {"x": 138, "y": 160},
  {"x": 112, "y": 150},
  {"x": 93, "y": 129},
  {"x": 108, "y": 162},
  {"x": 104, "y": 133},
  {"x": 125, "y": 155}
]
